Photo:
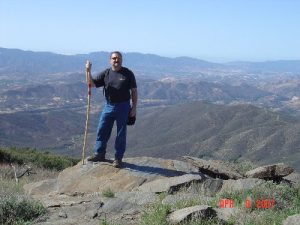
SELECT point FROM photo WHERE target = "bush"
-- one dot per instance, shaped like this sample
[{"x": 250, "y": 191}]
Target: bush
[
  {"x": 15, "y": 209},
  {"x": 108, "y": 193},
  {"x": 38, "y": 158},
  {"x": 156, "y": 215}
]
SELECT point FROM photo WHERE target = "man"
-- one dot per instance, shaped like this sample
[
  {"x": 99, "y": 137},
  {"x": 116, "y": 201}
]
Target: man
[{"x": 119, "y": 86}]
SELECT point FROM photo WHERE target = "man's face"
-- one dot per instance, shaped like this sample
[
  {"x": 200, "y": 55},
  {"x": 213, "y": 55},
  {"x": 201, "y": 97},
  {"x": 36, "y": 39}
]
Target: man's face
[{"x": 116, "y": 60}]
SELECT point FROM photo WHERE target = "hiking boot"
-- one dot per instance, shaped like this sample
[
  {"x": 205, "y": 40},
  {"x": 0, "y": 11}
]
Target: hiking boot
[
  {"x": 117, "y": 163},
  {"x": 96, "y": 158}
]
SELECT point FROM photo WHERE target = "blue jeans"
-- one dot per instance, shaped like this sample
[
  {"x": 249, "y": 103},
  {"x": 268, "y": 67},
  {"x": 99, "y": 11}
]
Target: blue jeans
[{"x": 112, "y": 112}]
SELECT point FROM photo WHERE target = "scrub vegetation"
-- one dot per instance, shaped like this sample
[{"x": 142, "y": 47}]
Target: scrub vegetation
[{"x": 21, "y": 166}]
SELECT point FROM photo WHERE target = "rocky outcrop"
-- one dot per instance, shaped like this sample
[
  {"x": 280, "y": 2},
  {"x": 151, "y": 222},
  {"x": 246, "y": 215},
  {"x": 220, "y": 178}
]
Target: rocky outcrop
[
  {"x": 274, "y": 171},
  {"x": 171, "y": 184},
  {"x": 192, "y": 213},
  {"x": 214, "y": 168},
  {"x": 77, "y": 196},
  {"x": 293, "y": 179},
  {"x": 241, "y": 184},
  {"x": 96, "y": 177}
]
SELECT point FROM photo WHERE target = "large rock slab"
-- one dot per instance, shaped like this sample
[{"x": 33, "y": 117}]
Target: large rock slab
[
  {"x": 92, "y": 178},
  {"x": 171, "y": 184},
  {"x": 54, "y": 200},
  {"x": 270, "y": 171},
  {"x": 193, "y": 212},
  {"x": 214, "y": 168},
  {"x": 75, "y": 196},
  {"x": 97, "y": 177},
  {"x": 93, "y": 211},
  {"x": 124, "y": 208},
  {"x": 138, "y": 198}
]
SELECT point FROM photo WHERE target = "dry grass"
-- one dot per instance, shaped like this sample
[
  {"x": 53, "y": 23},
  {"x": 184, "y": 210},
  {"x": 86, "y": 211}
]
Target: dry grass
[{"x": 15, "y": 207}]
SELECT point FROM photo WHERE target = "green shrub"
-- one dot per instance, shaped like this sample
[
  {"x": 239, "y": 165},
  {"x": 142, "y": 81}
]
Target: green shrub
[
  {"x": 108, "y": 193},
  {"x": 156, "y": 215},
  {"x": 38, "y": 158},
  {"x": 17, "y": 209}
]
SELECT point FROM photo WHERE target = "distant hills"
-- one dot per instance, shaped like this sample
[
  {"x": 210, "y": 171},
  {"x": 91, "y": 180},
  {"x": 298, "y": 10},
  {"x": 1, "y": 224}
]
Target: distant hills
[
  {"x": 42, "y": 63},
  {"x": 280, "y": 66},
  {"x": 241, "y": 132},
  {"x": 186, "y": 106},
  {"x": 151, "y": 92}
]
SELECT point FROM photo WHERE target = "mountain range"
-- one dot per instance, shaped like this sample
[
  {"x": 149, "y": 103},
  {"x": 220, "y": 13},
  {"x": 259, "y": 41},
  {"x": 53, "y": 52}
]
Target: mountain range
[
  {"x": 234, "y": 111},
  {"x": 240, "y": 132},
  {"x": 42, "y": 63}
]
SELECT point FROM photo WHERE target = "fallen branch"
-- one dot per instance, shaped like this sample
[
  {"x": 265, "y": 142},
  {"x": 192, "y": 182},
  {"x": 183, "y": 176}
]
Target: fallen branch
[{"x": 15, "y": 173}]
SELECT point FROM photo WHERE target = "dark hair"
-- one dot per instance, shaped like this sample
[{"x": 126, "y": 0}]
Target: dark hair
[{"x": 116, "y": 52}]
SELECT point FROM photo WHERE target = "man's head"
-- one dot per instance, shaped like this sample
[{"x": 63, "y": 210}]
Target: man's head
[{"x": 116, "y": 60}]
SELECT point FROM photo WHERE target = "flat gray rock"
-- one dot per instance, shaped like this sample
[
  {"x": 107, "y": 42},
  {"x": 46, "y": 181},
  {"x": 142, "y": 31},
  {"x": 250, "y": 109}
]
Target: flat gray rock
[
  {"x": 194, "y": 212},
  {"x": 208, "y": 187},
  {"x": 97, "y": 177},
  {"x": 270, "y": 171},
  {"x": 75, "y": 196},
  {"x": 241, "y": 184},
  {"x": 171, "y": 184},
  {"x": 214, "y": 168},
  {"x": 293, "y": 178},
  {"x": 138, "y": 198}
]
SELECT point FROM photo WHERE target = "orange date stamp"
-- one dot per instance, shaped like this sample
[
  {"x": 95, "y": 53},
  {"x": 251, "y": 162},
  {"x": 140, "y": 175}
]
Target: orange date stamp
[{"x": 258, "y": 203}]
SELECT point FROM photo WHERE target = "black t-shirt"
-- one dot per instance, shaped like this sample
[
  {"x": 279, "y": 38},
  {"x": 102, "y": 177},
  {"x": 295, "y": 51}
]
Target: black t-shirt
[{"x": 117, "y": 84}]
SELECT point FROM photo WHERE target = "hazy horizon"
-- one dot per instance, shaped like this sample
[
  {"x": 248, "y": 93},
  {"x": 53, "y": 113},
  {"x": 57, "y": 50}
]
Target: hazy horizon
[
  {"x": 173, "y": 57},
  {"x": 216, "y": 31}
]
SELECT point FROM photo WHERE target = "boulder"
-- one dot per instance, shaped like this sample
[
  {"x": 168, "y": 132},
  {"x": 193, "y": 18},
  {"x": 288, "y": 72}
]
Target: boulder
[
  {"x": 193, "y": 212},
  {"x": 214, "y": 168},
  {"x": 274, "y": 171},
  {"x": 171, "y": 184},
  {"x": 293, "y": 178},
  {"x": 208, "y": 187},
  {"x": 241, "y": 184}
]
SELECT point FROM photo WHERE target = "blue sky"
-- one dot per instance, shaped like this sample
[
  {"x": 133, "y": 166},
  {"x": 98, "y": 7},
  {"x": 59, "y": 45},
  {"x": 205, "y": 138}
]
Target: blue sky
[{"x": 214, "y": 30}]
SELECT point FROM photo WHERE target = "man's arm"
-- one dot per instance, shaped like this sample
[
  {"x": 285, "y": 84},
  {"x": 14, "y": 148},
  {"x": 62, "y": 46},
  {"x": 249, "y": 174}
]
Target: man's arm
[{"x": 134, "y": 98}]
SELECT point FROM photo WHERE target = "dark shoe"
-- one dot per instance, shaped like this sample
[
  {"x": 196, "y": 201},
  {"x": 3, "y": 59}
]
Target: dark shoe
[
  {"x": 117, "y": 163},
  {"x": 96, "y": 158}
]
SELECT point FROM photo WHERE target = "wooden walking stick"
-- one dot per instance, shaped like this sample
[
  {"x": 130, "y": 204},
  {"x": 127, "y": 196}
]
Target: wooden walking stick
[{"x": 87, "y": 75}]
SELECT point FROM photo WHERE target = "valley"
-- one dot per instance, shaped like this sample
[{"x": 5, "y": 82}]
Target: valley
[{"x": 186, "y": 107}]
